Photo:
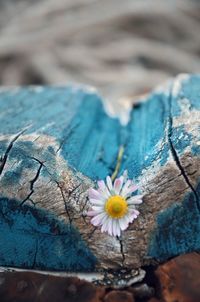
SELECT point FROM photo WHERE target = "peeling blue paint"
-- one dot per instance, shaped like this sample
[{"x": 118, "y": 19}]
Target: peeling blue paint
[
  {"x": 146, "y": 129},
  {"x": 89, "y": 139},
  {"x": 89, "y": 142},
  {"x": 22, "y": 153},
  {"x": 29, "y": 108},
  {"x": 181, "y": 139},
  {"x": 196, "y": 150},
  {"x": 93, "y": 146},
  {"x": 189, "y": 89},
  {"x": 34, "y": 238},
  {"x": 177, "y": 230}
]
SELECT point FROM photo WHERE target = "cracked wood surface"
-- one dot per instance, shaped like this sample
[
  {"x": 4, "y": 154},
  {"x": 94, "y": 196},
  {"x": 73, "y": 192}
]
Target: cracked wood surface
[{"x": 55, "y": 143}]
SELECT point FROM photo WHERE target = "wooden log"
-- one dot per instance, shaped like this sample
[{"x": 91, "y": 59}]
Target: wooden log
[{"x": 56, "y": 142}]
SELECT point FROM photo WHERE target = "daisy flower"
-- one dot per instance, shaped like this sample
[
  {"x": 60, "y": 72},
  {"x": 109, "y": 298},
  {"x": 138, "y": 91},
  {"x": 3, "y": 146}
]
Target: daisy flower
[{"x": 112, "y": 204}]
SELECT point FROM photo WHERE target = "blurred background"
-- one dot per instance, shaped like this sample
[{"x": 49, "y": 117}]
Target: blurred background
[{"x": 122, "y": 47}]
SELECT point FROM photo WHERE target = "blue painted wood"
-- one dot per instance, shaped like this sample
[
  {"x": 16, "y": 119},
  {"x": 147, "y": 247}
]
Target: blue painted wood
[
  {"x": 49, "y": 135},
  {"x": 178, "y": 229},
  {"x": 30, "y": 238}
]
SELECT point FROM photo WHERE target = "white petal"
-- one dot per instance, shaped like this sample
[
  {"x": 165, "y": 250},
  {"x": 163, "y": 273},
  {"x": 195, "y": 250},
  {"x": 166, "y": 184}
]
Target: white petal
[
  {"x": 105, "y": 224},
  {"x": 136, "y": 212},
  {"x": 131, "y": 217},
  {"x": 110, "y": 226},
  {"x": 91, "y": 213},
  {"x": 104, "y": 192},
  {"x": 98, "y": 209},
  {"x": 123, "y": 224},
  {"x": 131, "y": 208},
  {"x": 109, "y": 183},
  {"x": 94, "y": 194},
  {"x": 125, "y": 188},
  {"x": 97, "y": 220},
  {"x": 101, "y": 184},
  {"x": 133, "y": 214},
  {"x": 118, "y": 230},
  {"x": 105, "y": 218},
  {"x": 132, "y": 188},
  {"x": 129, "y": 190},
  {"x": 115, "y": 227},
  {"x": 97, "y": 202},
  {"x": 135, "y": 199},
  {"x": 125, "y": 175},
  {"x": 118, "y": 185},
  {"x": 126, "y": 218}
]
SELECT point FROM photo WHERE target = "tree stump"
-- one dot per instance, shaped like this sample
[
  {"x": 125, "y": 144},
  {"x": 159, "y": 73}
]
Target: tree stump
[{"x": 56, "y": 142}]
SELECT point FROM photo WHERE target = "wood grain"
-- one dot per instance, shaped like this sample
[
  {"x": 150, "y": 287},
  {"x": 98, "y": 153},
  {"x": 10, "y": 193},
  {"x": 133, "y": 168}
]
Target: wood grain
[{"x": 57, "y": 142}]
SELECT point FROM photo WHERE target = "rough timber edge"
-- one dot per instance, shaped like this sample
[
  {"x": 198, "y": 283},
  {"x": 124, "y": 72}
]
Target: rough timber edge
[
  {"x": 176, "y": 93},
  {"x": 119, "y": 109},
  {"x": 98, "y": 278}
]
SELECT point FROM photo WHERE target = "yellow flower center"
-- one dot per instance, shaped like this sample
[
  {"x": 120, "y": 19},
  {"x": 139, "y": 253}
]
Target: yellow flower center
[{"x": 116, "y": 206}]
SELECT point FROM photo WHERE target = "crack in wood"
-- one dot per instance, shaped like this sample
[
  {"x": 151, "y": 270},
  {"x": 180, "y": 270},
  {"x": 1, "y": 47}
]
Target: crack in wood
[
  {"x": 32, "y": 182},
  {"x": 90, "y": 235},
  {"x": 73, "y": 190},
  {"x": 161, "y": 184},
  {"x": 3, "y": 215},
  {"x": 65, "y": 202},
  {"x": 121, "y": 249},
  {"x": 3, "y": 159},
  {"x": 175, "y": 154},
  {"x": 192, "y": 173},
  {"x": 70, "y": 132}
]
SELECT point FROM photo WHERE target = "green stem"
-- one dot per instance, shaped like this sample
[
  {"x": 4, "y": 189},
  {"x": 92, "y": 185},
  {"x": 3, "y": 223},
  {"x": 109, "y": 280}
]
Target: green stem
[{"x": 119, "y": 160}]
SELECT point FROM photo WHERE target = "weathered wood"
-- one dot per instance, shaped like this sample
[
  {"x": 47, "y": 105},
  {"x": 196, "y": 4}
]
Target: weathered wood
[
  {"x": 57, "y": 142},
  {"x": 118, "y": 280}
]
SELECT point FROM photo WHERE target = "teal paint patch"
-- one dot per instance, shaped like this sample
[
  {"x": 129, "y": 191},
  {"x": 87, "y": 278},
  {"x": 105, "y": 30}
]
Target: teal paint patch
[
  {"x": 181, "y": 139},
  {"x": 196, "y": 150},
  {"x": 189, "y": 90},
  {"x": 87, "y": 138},
  {"x": 44, "y": 110},
  {"x": 33, "y": 238},
  {"x": 93, "y": 140},
  {"x": 23, "y": 154},
  {"x": 145, "y": 130},
  {"x": 177, "y": 230}
]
